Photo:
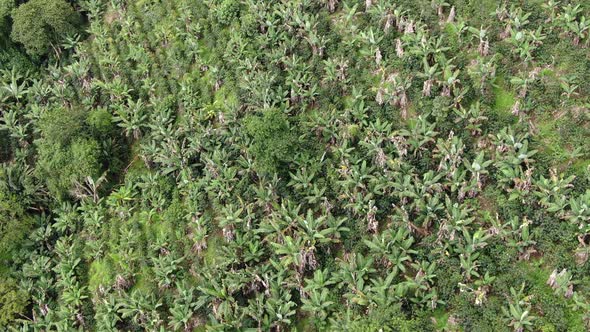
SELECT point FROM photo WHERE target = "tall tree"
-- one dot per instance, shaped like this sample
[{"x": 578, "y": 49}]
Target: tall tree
[{"x": 41, "y": 24}]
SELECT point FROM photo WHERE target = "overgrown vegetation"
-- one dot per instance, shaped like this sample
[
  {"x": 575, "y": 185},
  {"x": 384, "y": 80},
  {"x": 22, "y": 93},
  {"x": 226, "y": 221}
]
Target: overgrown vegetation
[{"x": 308, "y": 165}]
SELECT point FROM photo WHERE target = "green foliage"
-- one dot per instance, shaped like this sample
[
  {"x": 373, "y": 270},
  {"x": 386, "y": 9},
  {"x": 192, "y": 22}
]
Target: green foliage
[
  {"x": 273, "y": 140},
  {"x": 487, "y": 317},
  {"x": 388, "y": 319},
  {"x": 12, "y": 57},
  {"x": 311, "y": 165},
  {"x": 6, "y": 7},
  {"x": 64, "y": 166},
  {"x": 66, "y": 154},
  {"x": 227, "y": 11},
  {"x": 41, "y": 24},
  {"x": 10, "y": 54},
  {"x": 101, "y": 122},
  {"x": 15, "y": 226},
  {"x": 60, "y": 125},
  {"x": 12, "y": 301},
  {"x": 100, "y": 275}
]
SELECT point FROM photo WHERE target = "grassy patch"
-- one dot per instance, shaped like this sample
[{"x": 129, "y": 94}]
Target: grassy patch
[
  {"x": 440, "y": 319},
  {"x": 303, "y": 324},
  {"x": 143, "y": 280},
  {"x": 503, "y": 98},
  {"x": 580, "y": 167},
  {"x": 227, "y": 97},
  {"x": 136, "y": 165},
  {"x": 214, "y": 244},
  {"x": 555, "y": 310},
  {"x": 549, "y": 138},
  {"x": 560, "y": 141},
  {"x": 100, "y": 273}
]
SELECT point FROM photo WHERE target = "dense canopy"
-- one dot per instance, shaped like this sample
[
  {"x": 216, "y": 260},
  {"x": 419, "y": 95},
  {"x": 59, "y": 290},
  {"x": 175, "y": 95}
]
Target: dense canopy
[{"x": 294, "y": 165}]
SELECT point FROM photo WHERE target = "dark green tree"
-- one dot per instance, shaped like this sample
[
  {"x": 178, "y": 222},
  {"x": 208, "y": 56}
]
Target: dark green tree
[
  {"x": 6, "y": 6},
  {"x": 13, "y": 301},
  {"x": 273, "y": 141},
  {"x": 67, "y": 154},
  {"x": 41, "y": 24}
]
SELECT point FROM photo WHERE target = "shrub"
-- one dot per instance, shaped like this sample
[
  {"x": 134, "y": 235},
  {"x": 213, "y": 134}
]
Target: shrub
[
  {"x": 62, "y": 166},
  {"x": 227, "y": 11},
  {"x": 272, "y": 140},
  {"x": 40, "y": 24},
  {"x": 14, "y": 227},
  {"x": 12, "y": 301},
  {"x": 6, "y": 6}
]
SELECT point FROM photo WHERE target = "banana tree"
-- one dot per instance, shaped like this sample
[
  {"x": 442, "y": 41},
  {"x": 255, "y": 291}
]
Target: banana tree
[
  {"x": 383, "y": 292},
  {"x": 579, "y": 29},
  {"x": 420, "y": 132},
  {"x": 141, "y": 308},
  {"x": 90, "y": 188},
  {"x": 331, "y": 4},
  {"x": 481, "y": 35},
  {"x": 518, "y": 314},
  {"x": 131, "y": 118},
  {"x": 483, "y": 287},
  {"x": 229, "y": 220},
  {"x": 458, "y": 217},
  {"x": 420, "y": 287},
  {"x": 551, "y": 7},
  {"x": 469, "y": 265},
  {"x": 14, "y": 86},
  {"x": 450, "y": 153},
  {"x": 256, "y": 311},
  {"x": 561, "y": 283},
  {"x": 472, "y": 118},
  {"x": 166, "y": 269},
  {"x": 579, "y": 213},
  {"x": 321, "y": 279},
  {"x": 107, "y": 315},
  {"x": 431, "y": 74},
  {"x": 279, "y": 306},
  {"x": 439, "y": 6},
  {"x": 120, "y": 201},
  {"x": 294, "y": 253},
  {"x": 478, "y": 169},
  {"x": 336, "y": 71},
  {"x": 353, "y": 275},
  {"x": 394, "y": 249},
  {"x": 553, "y": 192},
  {"x": 483, "y": 72},
  {"x": 526, "y": 42},
  {"x": 318, "y": 304},
  {"x": 217, "y": 296},
  {"x": 184, "y": 307}
]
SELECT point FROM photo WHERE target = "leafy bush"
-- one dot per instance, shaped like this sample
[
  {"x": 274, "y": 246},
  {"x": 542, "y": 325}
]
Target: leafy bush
[
  {"x": 41, "y": 24},
  {"x": 273, "y": 142},
  {"x": 388, "y": 319},
  {"x": 227, "y": 11},
  {"x": 62, "y": 167},
  {"x": 15, "y": 226},
  {"x": 12, "y": 301}
]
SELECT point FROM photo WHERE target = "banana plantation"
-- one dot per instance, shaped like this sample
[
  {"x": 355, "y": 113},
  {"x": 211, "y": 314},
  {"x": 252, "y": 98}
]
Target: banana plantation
[{"x": 295, "y": 165}]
